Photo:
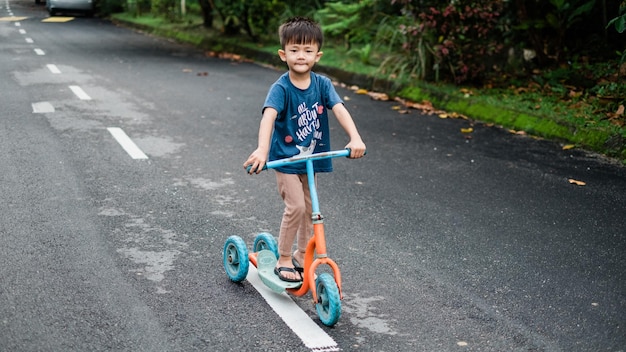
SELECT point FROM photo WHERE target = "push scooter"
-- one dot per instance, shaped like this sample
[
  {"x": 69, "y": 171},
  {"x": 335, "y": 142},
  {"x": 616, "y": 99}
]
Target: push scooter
[{"x": 325, "y": 288}]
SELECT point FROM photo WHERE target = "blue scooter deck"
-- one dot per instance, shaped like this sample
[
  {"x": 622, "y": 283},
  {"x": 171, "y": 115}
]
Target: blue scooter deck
[{"x": 266, "y": 262}]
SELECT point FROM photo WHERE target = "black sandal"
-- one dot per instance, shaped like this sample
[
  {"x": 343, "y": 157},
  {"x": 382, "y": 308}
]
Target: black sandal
[
  {"x": 297, "y": 266},
  {"x": 278, "y": 271}
]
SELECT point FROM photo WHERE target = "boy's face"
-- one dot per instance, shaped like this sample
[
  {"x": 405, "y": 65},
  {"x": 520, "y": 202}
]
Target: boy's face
[{"x": 300, "y": 57}]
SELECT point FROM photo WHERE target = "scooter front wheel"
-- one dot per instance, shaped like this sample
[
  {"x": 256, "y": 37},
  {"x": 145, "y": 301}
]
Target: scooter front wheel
[
  {"x": 236, "y": 262},
  {"x": 328, "y": 305}
]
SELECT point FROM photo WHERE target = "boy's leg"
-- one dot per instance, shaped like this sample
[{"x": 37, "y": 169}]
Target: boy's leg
[
  {"x": 305, "y": 231},
  {"x": 291, "y": 191}
]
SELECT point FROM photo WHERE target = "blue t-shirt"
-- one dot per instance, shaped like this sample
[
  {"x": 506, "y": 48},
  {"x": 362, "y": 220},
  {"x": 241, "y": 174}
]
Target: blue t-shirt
[{"x": 301, "y": 127}]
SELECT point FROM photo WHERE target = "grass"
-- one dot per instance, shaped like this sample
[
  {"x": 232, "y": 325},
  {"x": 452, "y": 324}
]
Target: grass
[{"x": 542, "y": 106}]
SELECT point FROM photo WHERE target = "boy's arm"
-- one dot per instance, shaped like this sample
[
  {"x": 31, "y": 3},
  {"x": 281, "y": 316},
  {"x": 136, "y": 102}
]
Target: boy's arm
[
  {"x": 258, "y": 158},
  {"x": 356, "y": 145}
]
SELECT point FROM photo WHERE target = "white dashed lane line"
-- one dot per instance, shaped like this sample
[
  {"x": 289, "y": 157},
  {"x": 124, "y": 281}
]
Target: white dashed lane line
[
  {"x": 129, "y": 146},
  {"x": 43, "y": 107},
  {"x": 80, "y": 93},
  {"x": 53, "y": 68}
]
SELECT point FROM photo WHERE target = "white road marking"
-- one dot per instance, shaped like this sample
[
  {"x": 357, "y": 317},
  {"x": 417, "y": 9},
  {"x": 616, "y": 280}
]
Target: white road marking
[
  {"x": 39, "y": 52},
  {"x": 17, "y": 24},
  {"x": 80, "y": 93},
  {"x": 29, "y": 40},
  {"x": 53, "y": 68},
  {"x": 129, "y": 146},
  {"x": 42, "y": 107},
  {"x": 22, "y": 31},
  {"x": 302, "y": 325}
]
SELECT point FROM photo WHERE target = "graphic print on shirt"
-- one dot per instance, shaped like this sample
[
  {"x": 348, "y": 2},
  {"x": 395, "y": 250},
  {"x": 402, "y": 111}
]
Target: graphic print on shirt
[{"x": 308, "y": 127}]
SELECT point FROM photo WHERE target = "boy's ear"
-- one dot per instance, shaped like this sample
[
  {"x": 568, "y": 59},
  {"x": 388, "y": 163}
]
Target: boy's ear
[
  {"x": 318, "y": 56},
  {"x": 281, "y": 54}
]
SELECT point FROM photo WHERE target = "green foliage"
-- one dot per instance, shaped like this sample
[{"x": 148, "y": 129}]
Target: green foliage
[
  {"x": 408, "y": 52},
  {"x": 260, "y": 19},
  {"x": 107, "y": 7},
  {"x": 455, "y": 40},
  {"x": 351, "y": 22},
  {"x": 620, "y": 21}
]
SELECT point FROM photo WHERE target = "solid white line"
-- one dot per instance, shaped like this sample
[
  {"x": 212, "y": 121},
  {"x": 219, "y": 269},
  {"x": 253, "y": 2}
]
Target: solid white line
[
  {"x": 39, "y": 52},
  {"x": 53, "y": 68},
  {"x": 29, "y": 40},
  {"x": 129, "y": 146},
  {"x": 80, "y": 93},
  {"x": 302, "y": 325},
  {"x": 42, "y": 107}
]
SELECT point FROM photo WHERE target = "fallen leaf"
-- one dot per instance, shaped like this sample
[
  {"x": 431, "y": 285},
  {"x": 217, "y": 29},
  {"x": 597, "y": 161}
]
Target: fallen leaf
[
  {"x": 361, "y": 91},
  {"x": 346, "y": 98},
  {"x": 569, "y": 146},
  {"x": 576, "y": 182},
  {"x": 187, "y": 70},
  {"x": 620, "y": 111},
  {"x": 378, "y": 96},
  {"x": 396, "y": 107},
  {"x": 574, "y": 94},
  {"x": 461, "y": 343},
  {"x": 467, "y": 130},
  {"x": 443, "y": 116}
]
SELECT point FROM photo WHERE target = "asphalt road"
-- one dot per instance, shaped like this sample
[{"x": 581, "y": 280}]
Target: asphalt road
[{"x": 445, "y": 243}]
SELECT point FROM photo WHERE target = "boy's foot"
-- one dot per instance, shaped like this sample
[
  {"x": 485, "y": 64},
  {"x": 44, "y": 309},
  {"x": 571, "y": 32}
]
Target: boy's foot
[
  {"x": 285, "y": 271},
  {"x": 296, "y": 261},
  {"x": 279, "y": 272},
  {"x": 297, "y": 266}
]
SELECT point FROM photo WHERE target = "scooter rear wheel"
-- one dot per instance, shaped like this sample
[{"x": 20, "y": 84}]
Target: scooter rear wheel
[
  {"x": 328, "y": 305},
  {"x": 265, "y": 240},
  {"x": 236, "y": 262}
]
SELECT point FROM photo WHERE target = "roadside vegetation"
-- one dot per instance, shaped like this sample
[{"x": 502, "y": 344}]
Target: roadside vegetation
[{"x": 551, "y": 68}]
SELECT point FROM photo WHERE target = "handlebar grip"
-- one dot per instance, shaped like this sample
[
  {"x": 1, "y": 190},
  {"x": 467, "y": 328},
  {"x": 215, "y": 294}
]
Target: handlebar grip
[
  {"x": 350, "y": 152},
  {"x": 249, "y": 167}
]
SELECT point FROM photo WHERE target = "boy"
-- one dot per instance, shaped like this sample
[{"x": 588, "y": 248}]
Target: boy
[{"x": 295, "y": 122}]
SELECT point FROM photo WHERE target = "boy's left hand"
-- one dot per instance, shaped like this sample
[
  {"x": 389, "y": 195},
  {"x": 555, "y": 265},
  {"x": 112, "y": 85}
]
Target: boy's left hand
[{"x": 357, "y": 149}]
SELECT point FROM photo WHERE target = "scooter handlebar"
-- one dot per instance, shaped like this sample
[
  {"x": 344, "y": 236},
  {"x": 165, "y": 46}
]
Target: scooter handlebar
[{"x": 302, "y": 158}]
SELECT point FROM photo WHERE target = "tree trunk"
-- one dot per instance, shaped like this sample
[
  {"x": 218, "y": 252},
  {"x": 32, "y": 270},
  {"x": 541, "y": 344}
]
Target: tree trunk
[{"x": 207, "y": 12}]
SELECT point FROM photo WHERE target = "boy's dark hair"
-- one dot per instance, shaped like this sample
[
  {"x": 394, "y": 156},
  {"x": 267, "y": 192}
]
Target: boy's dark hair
[{"x": 300, "y": 30}]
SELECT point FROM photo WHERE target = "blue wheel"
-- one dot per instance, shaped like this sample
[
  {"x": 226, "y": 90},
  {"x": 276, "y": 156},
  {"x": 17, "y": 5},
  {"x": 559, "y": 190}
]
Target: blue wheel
[
  {"x": 236, "y": 262},
  {"x": 328, "y": 305},
  {"x": 265, "y": 240}
]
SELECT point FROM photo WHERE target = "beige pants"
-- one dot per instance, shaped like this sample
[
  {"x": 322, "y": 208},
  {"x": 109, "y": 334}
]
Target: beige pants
[{"x": 296, "y": 222}]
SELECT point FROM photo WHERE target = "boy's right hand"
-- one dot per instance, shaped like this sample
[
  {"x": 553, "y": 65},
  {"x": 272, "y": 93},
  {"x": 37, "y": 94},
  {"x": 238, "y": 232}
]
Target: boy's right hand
[{"x": 256, "y": 161}]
